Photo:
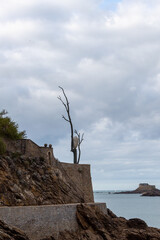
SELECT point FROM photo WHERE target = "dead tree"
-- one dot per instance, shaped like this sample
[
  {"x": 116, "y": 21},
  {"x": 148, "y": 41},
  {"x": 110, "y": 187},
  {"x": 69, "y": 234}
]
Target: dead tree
[
  {"x": 80, "y": 139},
  {"x": 75, "y": 140}
]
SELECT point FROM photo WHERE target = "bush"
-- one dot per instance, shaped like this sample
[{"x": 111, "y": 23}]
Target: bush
[
  {"x": 9, "y": 129},
  {"x": 2, "y": 147}
]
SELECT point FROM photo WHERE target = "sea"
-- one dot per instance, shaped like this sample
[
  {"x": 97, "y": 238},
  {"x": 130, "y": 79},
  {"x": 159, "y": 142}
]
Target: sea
[{"x": 132, "y": 206}]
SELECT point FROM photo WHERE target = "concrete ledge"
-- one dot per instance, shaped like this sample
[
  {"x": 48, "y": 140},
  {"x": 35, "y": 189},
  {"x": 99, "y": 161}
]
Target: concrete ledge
[{"x": 42, "y": 221}]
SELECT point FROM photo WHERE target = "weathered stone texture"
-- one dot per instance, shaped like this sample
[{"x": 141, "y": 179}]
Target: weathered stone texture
[
  {"x": 43, "y": 221},
  {"x": 30, "y": 149},
  {"x": 11, "y": 233},
  {"x": 94, "y": 225},
  {"x": 81, "y": 177},
  {"x": 32, "y": 181}
]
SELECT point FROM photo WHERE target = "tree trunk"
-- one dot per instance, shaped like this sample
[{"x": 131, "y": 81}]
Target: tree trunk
[
  {"x": 74, "y": 150},
  {"x": 75, "y": 155}
]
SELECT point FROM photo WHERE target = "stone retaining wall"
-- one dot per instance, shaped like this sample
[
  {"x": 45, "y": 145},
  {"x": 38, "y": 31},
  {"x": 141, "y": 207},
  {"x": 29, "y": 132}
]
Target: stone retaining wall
[
  {"x": 80, "y": 175},
  {"x": 42, "y": 221},
  {"x": 29, "y": 148}
]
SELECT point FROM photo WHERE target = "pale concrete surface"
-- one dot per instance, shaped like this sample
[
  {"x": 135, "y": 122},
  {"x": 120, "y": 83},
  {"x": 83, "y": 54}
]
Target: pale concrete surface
[{"x": 42, "y": 221}]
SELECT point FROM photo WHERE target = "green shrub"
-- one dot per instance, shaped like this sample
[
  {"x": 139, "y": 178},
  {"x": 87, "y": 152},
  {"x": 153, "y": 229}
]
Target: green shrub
[
  {"x": 2, "y": 147},
  {"x": 9, "y": 128}
]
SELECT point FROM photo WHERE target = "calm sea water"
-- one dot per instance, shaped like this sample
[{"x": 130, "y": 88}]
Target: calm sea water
[{"x": 132, "y": 206}]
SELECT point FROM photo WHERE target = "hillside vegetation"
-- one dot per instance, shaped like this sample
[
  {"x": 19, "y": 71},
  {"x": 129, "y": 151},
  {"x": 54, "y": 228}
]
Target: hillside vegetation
[{"x": 9, "y": 130}]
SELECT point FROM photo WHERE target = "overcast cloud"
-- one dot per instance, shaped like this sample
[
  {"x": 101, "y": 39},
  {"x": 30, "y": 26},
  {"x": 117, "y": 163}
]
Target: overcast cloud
[{"x": 106, "y": 55}]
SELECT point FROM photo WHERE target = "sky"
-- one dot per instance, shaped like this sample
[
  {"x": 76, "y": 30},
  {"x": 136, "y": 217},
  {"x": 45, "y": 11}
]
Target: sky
[{"x": 106, "y": 55}]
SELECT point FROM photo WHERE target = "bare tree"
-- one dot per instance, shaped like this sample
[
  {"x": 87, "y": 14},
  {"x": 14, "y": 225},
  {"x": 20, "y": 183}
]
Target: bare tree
[
  {"x": 80, "y": 139},
  {"x": 75, "y": 140}
]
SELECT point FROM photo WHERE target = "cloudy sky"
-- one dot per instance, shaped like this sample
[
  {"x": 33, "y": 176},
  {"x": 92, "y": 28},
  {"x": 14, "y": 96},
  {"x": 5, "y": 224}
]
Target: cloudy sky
[{"x": 106, "y": 55}]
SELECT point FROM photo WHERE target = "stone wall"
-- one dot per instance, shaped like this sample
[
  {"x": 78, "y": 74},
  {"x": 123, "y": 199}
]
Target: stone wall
[
  {"x": 42, "y": 221},
  {"x": 80, "y": 175},
  {"x": 30, "y": 149}
]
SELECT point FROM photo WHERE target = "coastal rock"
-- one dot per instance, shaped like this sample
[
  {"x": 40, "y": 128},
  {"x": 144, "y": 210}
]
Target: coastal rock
[
  {"x": 95, "y": 225},
  {"x": 32, "y": 181},
  {"x": 136, "y": 223},
  {"x": 10, "y": 233},
  {"x": 144, "y": 189},
  {"x": 155, "y": 193}
]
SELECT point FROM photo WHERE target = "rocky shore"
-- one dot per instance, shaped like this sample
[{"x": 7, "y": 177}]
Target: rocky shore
[{"x": 93, "y": 225}]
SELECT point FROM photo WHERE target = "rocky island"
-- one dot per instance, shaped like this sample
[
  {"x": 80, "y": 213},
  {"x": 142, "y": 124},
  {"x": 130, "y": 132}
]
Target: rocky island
[
  {"x": 144, "y": 189},
  {"x": 42, "y": 198}
]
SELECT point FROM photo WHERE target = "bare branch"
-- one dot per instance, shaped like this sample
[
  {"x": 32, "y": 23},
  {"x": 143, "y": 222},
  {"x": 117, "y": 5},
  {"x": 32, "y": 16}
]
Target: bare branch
[
  {"x": 65, "y": 118},
  {"x": 81, "y": 139},
  {"x": 75, "y": 131},
  {"x": 66, "y": 105},
  {"x": 63, "y": 103},
  {"x": 65, "y": 97}
]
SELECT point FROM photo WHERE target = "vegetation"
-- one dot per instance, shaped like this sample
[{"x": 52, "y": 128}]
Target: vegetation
[{"x": 9, "y": 130}]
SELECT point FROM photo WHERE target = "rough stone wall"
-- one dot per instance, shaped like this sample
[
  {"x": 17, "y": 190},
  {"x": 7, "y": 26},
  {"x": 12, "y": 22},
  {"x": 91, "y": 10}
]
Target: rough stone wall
[
  {"x": 30, "y": 149},
  {"x": 48, "y": 153},
  {"x": 81, "y": 177},
  {"x": 12, "y": 146},
  {"x": 42, "y": 221}
]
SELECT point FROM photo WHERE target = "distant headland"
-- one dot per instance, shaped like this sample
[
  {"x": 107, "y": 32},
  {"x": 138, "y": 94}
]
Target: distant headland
[{"x": 144, "y": 189}]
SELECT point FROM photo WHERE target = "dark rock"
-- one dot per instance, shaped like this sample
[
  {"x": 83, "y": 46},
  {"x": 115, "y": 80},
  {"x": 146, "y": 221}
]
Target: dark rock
[
  {"x": 23, "y": 174},
  {"x": 136, "y": 223},
  {"x": 155, "y": 193},
  {"x": 110, "y": 213},
  {"x": 95, "y": 225},
  {"x": 10, "y": 233},
  {"x": 36, "y": 176}
]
